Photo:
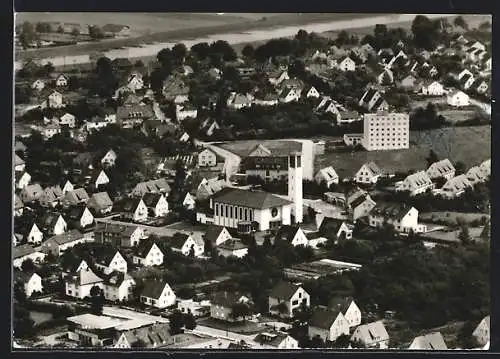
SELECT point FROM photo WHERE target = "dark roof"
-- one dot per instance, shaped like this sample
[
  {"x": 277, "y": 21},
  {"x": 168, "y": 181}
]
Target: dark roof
[
  {"x": 143, "y": 248},
  {"x": 226, "y": 299},
  {"x": 151, "y": 199},
  {"x": 67, "y": 237},
  {"x": 104, "y": 254},
  {"x": 287, "y": 232},
  {"x": 340, "y": 303},
  {"x": 213, "y": 232},
  {"x": 22, "y": 250},
  {"x": 153, "y": 288},
  {"x": 178, "y": 240},
  {"x": 100, "y": 200},
  {"x": 49, "y": 220},
  {"x": 116, "y": 278},
  {"x": 330, "y": 225},
  {"x": 391, "y": 210},
  {"x": 284, "y": 290},
  {"x": 232, "y": 245},
  {"x": 251, "y": 199},
  {"x": 76, "y": 212},
  {"x": 23, "y": 277},
  {"x": 130, "y": 204},
  {"x": 369, "y": 95},
  {"x": 323, "y": 317}
]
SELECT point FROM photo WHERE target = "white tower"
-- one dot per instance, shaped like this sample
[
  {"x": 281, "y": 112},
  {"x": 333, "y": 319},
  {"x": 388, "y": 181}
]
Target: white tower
[{"x": 295, "y": 185}]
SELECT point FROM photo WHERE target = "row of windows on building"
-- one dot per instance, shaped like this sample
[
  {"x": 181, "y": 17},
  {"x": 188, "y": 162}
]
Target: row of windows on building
[{"x": 245, "y": 214}]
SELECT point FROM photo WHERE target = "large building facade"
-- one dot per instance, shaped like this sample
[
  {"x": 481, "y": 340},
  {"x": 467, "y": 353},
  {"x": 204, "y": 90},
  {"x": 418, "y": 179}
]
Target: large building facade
[{"x": 386, "y": 131}]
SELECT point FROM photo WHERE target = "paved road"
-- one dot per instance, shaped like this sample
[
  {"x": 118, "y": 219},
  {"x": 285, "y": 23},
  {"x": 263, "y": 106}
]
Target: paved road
[{"x": 131, "y": 314}]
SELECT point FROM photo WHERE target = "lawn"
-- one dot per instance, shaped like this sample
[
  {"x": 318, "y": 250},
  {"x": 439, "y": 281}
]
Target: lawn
[
  {"x": 470, "y": 145},
  {"x": 40, "y": 317},
  {"x": 452, "y": 235},
  {"x": 450, "y": 218},
  {"x": 455, "y": 116},
  {"x": 245, "y": 327}
]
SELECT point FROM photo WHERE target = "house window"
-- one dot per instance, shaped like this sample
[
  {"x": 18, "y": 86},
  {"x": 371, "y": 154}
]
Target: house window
[
  {"x": 241, "y": 213},
  {"x": 246, "y": 214},
  {"x": 251, "y": 215},
  {"x": 231, "y": 212},
  {"x": 216, "y": 209},
  {"x": 295, "y": 302},
  {"x": 227, "y": 211}
]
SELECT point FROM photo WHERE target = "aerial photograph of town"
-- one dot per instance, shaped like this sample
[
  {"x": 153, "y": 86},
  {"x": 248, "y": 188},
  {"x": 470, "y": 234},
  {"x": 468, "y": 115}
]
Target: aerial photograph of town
[{"x": 251, "y": 181}]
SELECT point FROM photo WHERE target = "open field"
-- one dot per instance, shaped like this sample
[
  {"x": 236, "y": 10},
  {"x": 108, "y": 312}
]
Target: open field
[
  {"x": 450, "y": 218},
  {"x": 455, "y": 116},
  {"x": 470, "y": 145}
]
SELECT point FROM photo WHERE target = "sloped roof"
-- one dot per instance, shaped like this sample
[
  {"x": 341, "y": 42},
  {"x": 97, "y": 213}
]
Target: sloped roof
[
  {"x": 330, "y": 225},
  {"x": 372, "y": 332},
  {"x": 17, "y": 202},
  {"x": 49, "y": 220},
  {"x": 232, "y": 245},
  {"x": 76, "y": 196},
  {"x": 443, "y": 167},
  {"x": 153, "y": 288},
  {"x": 251, "y": 199},
  {"x": 76, "y": 212},
  {"x": 84, "y": 277},
  {"x": 391, "y": 210},
  {"x": 100, "y": 200},
  {"x": 117, "y": 278},
  {"x": 18, "y": 160},
  {"x": 324, "y": 318},
  {"x": 22, "y": 250},
  {"x": 143, "y": 248},
  {"x": 373, "y": 168},
  {"x": 213, "y": 232},
  {"x": 67, "y": 237},
  {"x": 178, "y": 240},
  {"x": 153, "y": 336},
  {"x": 328, "y": 173},
  {"x": 284, "y": 290},
  {"x": 226, "y": 299},
  {"x": 431, "y": 341},
  {"x": 151, "y": 199},
  {"x": 287, "y": 232}
]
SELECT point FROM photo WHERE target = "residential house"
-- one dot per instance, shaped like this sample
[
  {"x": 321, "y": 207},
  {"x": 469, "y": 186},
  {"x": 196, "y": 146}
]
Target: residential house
[
  {"x": 346, "y": 64},
  {"x": 80, "y": 217},
  {"x": 18, "y": 206},
  {"x": 217, "y": 235},
  {"x": 35, "y": 235},
  {"x": 58, "y": 244},
  {"x": 23, "y": 179},
  {"x": 232, "y": 248},
  {"x": 290, "y": 95},
  {"x": 38, "y": 85},
  {"x": 348, "y": 117},
  {"x": 187, "y": 244},
  {"x": 23, "y": 252},
  {"x": 100, "y": 180},
  {"x": 312, "y": 92},
  {"x": 53, "y": 100},
  {"x": 153, "y": 336},
  {"x": 30, "y": 282},
  {"x": 441, "y": 169},
  {"x": 185, "y": 111},
  {"x": 19, "y": 164},
  {"x": 408, "y": 83},
  {"x": 238, "y": 101},
  {"x": 110, "y": 261},
  {"x": 466, "y": 81},
  {"x": 371, "y": 336},
  {"x": 174, "y": 86},
  {"x": 53, "y": 223},
  {"x": 135, "y": 209},
  {"x": 386, "y": 77},
  {"x": 135, "y": 81},
  {"x": 266, "y": 99},
  {"x": 118, "y": 286},
  {"x": 157, "y": 293},
  {"x": 328, "y": 324},
  {"x": 482, "y": 331},
  {"x": 156, "y": 203},
  {"x": 208, "y": 188},
  {"x": 327, "y": 105},
  {"x": 372, "y": 100},
  {"x": 416, "y": 183},
  {"x": 222, "y": 303},
  {"x": 207, "y": 158},
  {"x": 455, "y": 186},
  {"x": 349, "y": 310},
  {"x": 477, "y": 45},
  {"x": 75, "y": 197},
  {"x": 68, "y": 187},
  {"x": 431, "y": 341},
  {"x": 130, "y": 115},
  {"x": 109, "y": 159},
  {"x": 31, "y": 193},
  {"x": 62, "y": 80},
  {"x": 51, "y": 196},
  {"x": 184, "y": 137},
  {"x": 432, "y": 88},
  {"x": 286, "y": 297},
  {"x": 79, "y": 285},
  {"x": 327, "y": 176},
  {"x": 196, "y": 308},
  {"x": 100, "y": 203},
  {"x": 95, "y": 124},
  {"x": 118, "y": 235},
  {"x": 293, "y": 235},
  {"x": 148, "y": 254},
  {"x": 188, "y": 202},
  {"x": 475, "y": 175},
  {"x": 209, "y": 126},
  {"x": 159, "y": 185},
  {"x": 464, "y": 73},
  {"x": 215, "y": 73},
  {"x": 403, "y": 217},
  {"x": 51, "y": 130},
  {"x": 479, "y": 86},
  {"x": 486, "y": 167},
  {"x": 369, "y": 173},
  {"x": 276, "y": 340},
  {"x": 277, "y": 77},
  {"x": 335, "y": 228},
  {"x": 68, "y": 120}
]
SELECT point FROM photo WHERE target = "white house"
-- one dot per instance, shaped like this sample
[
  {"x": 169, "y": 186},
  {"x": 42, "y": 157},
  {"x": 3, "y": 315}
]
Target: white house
[
  {"x": 184, "y": 243},
  {"x": 23, "y": 179},
  {"x": 189, "y": 202},
  {"x": 431, "y": 341},
  {"x": 54, "y": 100},
  {"x": 109, "y": 159},
  {"x": 286, "y": 297},
  {"x": 404, "y": 218},
  {"x": 157, "y": 293},
  {"x": 32, "y": 283},
  {"x": 217, "y": 235},
  {"x": 80, "y": 284},
  {"x": 232, "y": 248},
  {"x": 276, "y": 340},
  {"x": 327, "y": 175},
  {"x": 416, "y": 183},
  {"x": 290, "y": 95},
  {"x": 433, "y": 88},
  {"x": 102, "y": 179},
  {"x": 62, "y": 80},
  {"x": 111, "y": 262},
  {"x": 441, "y": 169},
  {"x": 68, "y": 187},
  {"x": 148, "y": 254},
  {"x": 156, "y": 203},
  {"x": 68, "y": 120},
  {"x": 475, "y": 175},
  {"x": 38, "y": 85},
  {"x": 369, "y": 173},
  {"x": 185, "y": 111},
  {"x": 349, "y": 310},
  {"x": 455, "y": 186},
  {"x": 35, "y": 235},
  {"x": 136, "y": 209},
  {"x": 207, "y": 158},
  {"x": 328, "y": 324},
  {"x": 60, "y": 243},
  {"x": 371, "y": 335},
  {"x": 135, "y": 82},
  {"x": 346, "y": 64},
  {"x": 26, "y": 251},
  {"x": 184, "y": 137},
  {"x": 482, "y": 331},
  {"x": 457, "y": 99},
  {"x": 80, "y": 216},
  {"x": 312, "y": 92},
  {"x": 293, "y": 235},
  {"x": 118, "y": 287},
  {"x": 53, "y": 223},
  {"x": 282, "y": 76}
]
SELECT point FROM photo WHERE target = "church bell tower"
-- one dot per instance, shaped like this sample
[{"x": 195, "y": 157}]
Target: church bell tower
[{"x": 295, "y": 185}]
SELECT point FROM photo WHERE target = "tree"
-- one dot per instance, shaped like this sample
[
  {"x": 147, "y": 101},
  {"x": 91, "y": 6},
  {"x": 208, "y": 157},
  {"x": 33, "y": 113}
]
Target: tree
[
  {"x": 48, "y": 68},
  {"x": 23, "y": 325},
  {"x": 201, "y": 50},
  {"x": 425, "y": 33},
  {"x": 189, "y": 321},
  {"x": 460, "y": 168},
  {"x": 464, "y": 235},
  {"x": 179, "y": 52},
  {"x": 342, "y": 38},
  {"x": 485, "y": 26},
  {"x": 302, "y": 35},
  {"x": 43, "y": 27},
  {"x": 460, "y": 22},
  {"x": 75, "y": 32},
  {"x": 208, "y": 246},
  {"x": 28, "y": 266},
  {"x": 342, "y": 342},
  {"x": 317, "y": 342},
  {"x": 176, "y": 322},
  {"x": 96, "y": 300},
  {"x": 240, "y": 310},
  {"x": 19, "y": 293},
  {"x": 191, "y": 252},
  {"x": 386, "y": 79},
  {"x": 27, "y": 34},
  {"x": 465, "y": 338},
  {"x": 60, "y": 30},
  {"x": 432, "y": 158},
  {"x": 95, "y": 32},
  {"x": 248, "y": 51}
]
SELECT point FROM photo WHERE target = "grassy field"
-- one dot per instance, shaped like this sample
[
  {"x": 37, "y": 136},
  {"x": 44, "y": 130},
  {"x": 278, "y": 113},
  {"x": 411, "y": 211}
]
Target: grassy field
[
  {"x": 450, "y": 218},
  {"x": 470, "y": 145},
  {"x": 161, "y": 28}
]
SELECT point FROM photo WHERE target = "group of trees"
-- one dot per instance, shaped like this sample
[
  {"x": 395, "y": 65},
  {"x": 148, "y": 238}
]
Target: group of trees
[{"x": 178, "y": 321}]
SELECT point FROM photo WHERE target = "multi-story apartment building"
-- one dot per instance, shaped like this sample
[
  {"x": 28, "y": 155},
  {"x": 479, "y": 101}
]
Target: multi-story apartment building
[{"x": 386, "y": 131}]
